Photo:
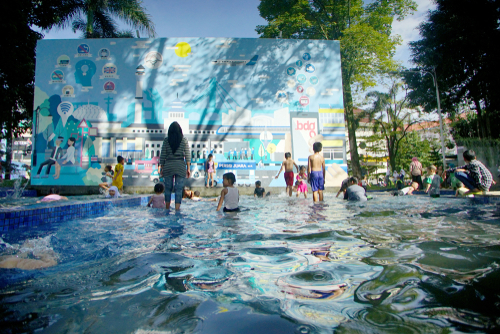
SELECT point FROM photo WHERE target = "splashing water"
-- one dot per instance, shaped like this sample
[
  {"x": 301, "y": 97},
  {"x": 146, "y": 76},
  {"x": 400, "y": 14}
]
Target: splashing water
[{"x": 391, "y": 265}]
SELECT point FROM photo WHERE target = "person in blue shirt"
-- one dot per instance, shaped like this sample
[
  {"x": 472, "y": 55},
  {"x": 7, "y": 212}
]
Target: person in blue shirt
[
  {"x": 242, "y": 151},
  {"x": 246, "y": 153},
  {"x": 230, "y": 155},
  {"x": 252, "y": 152}
]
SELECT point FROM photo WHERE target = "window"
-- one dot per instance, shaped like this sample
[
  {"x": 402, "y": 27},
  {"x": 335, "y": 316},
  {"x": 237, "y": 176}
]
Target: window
[
  {"x": 161, "y": 131},
  {"x": 147, "y": 145},
  {"x": 152, "y": 153},
  {"x": 191, "y": 131},
  {"x": 157, "y": 153},
  {"x": 133, "y": 130},
  {"x": 220, "y": 151},
  {"x": 158, "y": 145},
  {"x": 198, "y": 146},
  {"x": 142, "y": 131},
  {"x": 156, "y": 131},
  {"x": 203, "y": 132},
  {"x": 106, "y": 148},
  {"x": 147, "y": 131},
  {"x": 192, "y": 146},
  {"x": 204, "y": 145}
]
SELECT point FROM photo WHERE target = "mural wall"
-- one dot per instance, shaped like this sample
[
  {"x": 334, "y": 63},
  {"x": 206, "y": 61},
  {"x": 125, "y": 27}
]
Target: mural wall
[{"x": 246, "y": 101}]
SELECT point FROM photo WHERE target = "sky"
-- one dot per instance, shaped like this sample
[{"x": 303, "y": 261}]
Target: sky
[{"x": 235, "y": 18}]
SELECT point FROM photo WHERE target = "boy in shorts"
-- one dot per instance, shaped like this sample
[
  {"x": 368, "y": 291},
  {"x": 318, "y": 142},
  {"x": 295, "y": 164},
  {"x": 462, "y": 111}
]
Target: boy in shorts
[
  {"x": 316, "y": 172},
  {"x": 289, "y": 177}
]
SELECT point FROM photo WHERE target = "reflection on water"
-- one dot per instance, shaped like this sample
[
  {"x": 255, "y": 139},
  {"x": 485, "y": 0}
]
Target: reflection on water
[{"x": 391, "y": 265}]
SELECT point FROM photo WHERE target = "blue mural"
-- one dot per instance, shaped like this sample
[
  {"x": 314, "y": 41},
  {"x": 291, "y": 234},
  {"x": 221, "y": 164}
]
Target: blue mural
[{"x": 247, "y": 101}]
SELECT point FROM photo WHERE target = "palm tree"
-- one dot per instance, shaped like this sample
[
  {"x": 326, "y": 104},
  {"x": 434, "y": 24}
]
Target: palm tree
[{"x": 94, "y": 18}]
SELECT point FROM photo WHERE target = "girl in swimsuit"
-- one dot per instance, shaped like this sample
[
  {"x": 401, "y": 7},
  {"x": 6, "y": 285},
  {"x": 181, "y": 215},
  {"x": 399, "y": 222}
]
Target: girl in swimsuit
[
  {"x": 302, "y": 179},
  {"x": 210, "y": 170}
]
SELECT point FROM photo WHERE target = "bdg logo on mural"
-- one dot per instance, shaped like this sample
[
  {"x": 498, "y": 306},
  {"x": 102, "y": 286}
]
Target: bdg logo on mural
[{"x": 306, "y": 126}]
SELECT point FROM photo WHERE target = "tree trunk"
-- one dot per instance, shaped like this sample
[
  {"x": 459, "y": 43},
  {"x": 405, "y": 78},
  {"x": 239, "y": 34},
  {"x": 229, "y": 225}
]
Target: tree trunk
[
  {"x": 351, "y": 130},
  {"x": 8, "y": 147}
]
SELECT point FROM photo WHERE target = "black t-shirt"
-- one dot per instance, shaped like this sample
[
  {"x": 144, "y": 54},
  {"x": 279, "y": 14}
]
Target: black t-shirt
[{"x": 259, "y": 191}]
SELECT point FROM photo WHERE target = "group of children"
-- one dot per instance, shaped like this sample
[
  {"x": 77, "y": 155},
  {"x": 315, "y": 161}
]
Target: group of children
[{"x": 314, "y": 174}]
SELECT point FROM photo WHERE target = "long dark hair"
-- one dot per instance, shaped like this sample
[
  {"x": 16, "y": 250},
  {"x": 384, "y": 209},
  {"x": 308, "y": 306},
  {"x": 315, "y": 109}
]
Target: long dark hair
[{"x": 174, "y": 136}]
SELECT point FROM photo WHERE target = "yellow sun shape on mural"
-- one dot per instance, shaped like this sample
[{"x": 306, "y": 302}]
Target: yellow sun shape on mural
[{"x": 182, "y": 49}]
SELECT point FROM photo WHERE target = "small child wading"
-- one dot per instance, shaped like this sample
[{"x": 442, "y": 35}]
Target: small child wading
[
  {"x": 229, "y": 195},
  {"x": 316, "y": 172},
  {"x": 433, "y": 182},
  {"x": 210, "y": 170},
  {"x": 157, "y": 201},
  {"x": 287, "y": 165},
  {"x": 302, "y": 180}
]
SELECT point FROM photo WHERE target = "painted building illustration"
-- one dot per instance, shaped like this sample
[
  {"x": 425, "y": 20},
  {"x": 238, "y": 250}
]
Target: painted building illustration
[{"x": 246, "y": 101}]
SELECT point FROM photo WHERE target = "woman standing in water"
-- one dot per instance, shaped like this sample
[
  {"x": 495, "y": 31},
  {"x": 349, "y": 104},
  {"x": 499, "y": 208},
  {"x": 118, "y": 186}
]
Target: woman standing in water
[
  {"x": 174, "y": 163},
  {"x": 416, "y": 172}
]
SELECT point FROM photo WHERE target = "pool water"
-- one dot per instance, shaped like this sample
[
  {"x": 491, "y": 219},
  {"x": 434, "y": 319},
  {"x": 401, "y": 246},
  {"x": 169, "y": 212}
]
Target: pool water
[{"x": 390, "y": 265}]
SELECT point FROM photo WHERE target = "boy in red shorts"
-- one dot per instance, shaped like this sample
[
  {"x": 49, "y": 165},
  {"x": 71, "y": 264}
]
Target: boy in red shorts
[{"x": 289, "y": 177}]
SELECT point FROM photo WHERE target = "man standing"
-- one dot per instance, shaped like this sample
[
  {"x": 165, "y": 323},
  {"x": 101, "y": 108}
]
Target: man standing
[
  {"x": 252, "y": 152},
  {"x": 56, "y": 154}
]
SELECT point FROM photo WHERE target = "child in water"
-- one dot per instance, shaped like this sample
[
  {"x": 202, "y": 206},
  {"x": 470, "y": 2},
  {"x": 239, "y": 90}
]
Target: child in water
[
  {"x": 229, "y": 195},
  {"x": 108, "y": 174},
  {"x": 157, "y": 201},
  {"x": 260, "y": 191},
  {"x": 210, "y": 170},
  {"x": 316, "y": 172},
  {"x": 433, "y": 182},
  {"x": 302, "y": 179},
  {"x": 406, "y": 191},
  {"x": 113, "y": 192},
  {"x": 53, "y": 196},
  {"x": 287, "y": 165}
]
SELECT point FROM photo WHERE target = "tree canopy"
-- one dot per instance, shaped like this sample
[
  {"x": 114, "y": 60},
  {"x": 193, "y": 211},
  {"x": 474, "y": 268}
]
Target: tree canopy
[
  {"x": 94, "y": 18},
  {"x": 460, "y": 40},
  {"x": 364, "y": 29}
]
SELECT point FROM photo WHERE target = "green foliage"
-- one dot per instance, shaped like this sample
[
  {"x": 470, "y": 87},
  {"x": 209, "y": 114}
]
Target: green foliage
[
  {"x": 363, "y": 29},
  {"x": 390, "y": 119},
  {"x": 94, "y": 18},
  {"x": 458, "y": 41}
]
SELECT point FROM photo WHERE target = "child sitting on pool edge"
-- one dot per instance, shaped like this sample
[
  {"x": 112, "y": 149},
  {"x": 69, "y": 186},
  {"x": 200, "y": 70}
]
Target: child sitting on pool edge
[
  {"x": 259, "y": 191},
  {"x": 158, "y": 199},
  {"x": 229, "y": 195}
]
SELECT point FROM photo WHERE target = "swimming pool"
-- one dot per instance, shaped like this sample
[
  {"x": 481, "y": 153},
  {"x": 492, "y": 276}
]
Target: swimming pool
[{"x": 390, "y": 265}]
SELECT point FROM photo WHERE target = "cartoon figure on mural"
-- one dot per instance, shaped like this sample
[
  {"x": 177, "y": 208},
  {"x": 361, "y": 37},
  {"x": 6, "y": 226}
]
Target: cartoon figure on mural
[
  {"x": 67, "y": 159},
  {"x": 56, "y": 154},
  {"x": 84, "y": 71}
]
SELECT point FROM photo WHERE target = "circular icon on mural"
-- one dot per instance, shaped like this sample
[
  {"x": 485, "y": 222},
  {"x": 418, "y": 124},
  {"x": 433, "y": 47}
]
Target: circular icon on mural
[
  {"x": 300, "y": 89},
  {"x": 310, "y": 91},
  {"x": 304, "y": 101},
  {"x": 68, "y": 91},
  {"x": 104, "y": 53},
  {"x": 290, "y": 71},
  {"x": 83, "y": 48},
  {"x": 109, "y": 69},
  {"x": 290, "y": 83},
  {"x": 281, "y": 96},
  {"x": 153, "y": 59},
  {"x": 63, "y": 61},
  {"x": 57, "y": 75},
  {"x": 299, "y": 63},
  {"x": 310, "y": 68},
  {"x": 306, "y": 56},
  {"x": 314, "y": 80},
  {"x": 109, "y": 86},
  {"x": 301, "y": 78}
]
